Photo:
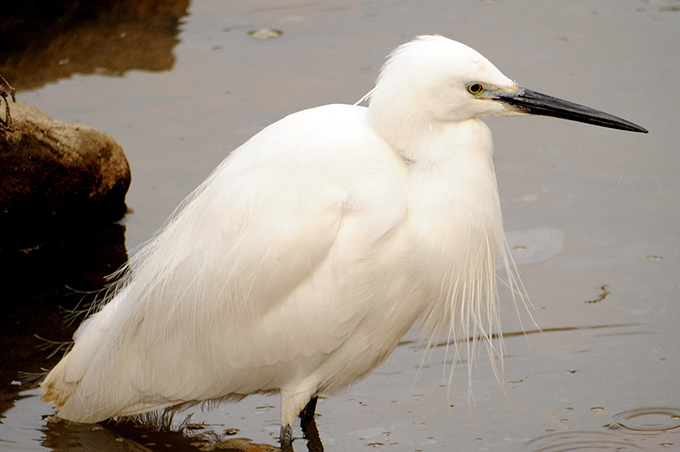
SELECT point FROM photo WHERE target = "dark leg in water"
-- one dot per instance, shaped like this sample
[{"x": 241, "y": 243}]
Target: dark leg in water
[
  {"x": 311, "y": 433},
  {"x": 307, "y": 414},
  {"x": 309, "y": 429}
]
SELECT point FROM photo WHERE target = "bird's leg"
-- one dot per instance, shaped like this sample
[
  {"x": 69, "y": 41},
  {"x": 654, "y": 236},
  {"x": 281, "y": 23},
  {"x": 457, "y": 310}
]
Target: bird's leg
[
  {"x": 309, "y": 429},
  {"x": 307, "y": 414},
  {"x": 291, "y": 404},
  {"x": 286, "y": 438}
]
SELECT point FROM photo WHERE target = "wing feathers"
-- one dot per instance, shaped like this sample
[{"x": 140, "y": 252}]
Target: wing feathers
[{"x": 234, "y": 294}]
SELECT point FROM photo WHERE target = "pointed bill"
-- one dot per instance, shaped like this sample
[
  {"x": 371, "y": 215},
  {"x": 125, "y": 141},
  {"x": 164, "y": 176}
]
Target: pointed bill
[{"x": 534, "y": 103}]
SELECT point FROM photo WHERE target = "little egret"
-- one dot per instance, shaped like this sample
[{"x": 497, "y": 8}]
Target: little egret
[{"x": 310, "y": 251}]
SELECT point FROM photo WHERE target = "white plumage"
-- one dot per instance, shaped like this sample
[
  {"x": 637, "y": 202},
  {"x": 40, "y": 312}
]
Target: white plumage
[{"x": 302, "y": 260}]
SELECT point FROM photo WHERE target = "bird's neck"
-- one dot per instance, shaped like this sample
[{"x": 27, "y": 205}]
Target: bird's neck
[
  {"x": 455, "y": 216},
  {"x": 452, "y": 183}
]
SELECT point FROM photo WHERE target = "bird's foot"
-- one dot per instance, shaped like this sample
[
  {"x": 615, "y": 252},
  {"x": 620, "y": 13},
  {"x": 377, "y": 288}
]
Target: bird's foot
[{"x": 286, "y": 438}]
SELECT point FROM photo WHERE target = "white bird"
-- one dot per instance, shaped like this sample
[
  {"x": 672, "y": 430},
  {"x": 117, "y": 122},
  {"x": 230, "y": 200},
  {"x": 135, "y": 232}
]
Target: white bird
[{"x": 301, "y": 261}]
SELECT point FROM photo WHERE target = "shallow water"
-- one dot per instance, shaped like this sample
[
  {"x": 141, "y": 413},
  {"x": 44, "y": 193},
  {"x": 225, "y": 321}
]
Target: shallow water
[{"x": 592, "y": 213}]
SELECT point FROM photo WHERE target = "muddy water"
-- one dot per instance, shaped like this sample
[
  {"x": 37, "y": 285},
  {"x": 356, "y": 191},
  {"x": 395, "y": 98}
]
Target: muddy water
[{"x": 592, "y": 214}]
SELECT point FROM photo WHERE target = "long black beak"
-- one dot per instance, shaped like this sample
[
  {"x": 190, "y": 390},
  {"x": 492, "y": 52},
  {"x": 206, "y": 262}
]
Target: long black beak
[{"x": 535, "y": 103}]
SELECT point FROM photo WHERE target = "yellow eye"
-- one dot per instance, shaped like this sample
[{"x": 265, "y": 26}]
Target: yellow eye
[{"x": 475, "y": 88}]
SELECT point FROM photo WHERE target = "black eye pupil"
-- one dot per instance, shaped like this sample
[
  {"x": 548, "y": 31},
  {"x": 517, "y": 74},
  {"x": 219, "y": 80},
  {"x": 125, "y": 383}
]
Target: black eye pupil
[{"x": 475, "y": 88}]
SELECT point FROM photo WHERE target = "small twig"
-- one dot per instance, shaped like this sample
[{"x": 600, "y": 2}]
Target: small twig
[
  {"x": 5, "y": 89},
  {"x": 605, "y": 293}
]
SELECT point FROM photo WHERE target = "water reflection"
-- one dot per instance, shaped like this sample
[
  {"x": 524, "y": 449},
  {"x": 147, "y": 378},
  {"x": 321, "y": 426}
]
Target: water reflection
[
  {"x": 23, "y": 429},
  {"x": 136, "y": 437},
  {"x": 41, "y": 42},
  {"x": 61, "y": 436},
  {"x": 133, "y": 437},
  {"x": 40, "y": 288}
]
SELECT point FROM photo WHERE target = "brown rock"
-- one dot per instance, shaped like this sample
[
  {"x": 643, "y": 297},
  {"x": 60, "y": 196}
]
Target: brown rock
[{"x": 56, "y": 177}]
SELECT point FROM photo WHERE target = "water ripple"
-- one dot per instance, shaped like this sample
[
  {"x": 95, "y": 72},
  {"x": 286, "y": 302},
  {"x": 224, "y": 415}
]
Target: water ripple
[
  {"x": 583, "y": 441},
  {"x": 629, "y": 430},
  {"x": 647, "y": 419}
]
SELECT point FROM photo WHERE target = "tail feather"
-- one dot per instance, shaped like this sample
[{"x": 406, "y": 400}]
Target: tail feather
[
  {"x": 66, "y": 384},
  {"x": 55, "y": 389}
]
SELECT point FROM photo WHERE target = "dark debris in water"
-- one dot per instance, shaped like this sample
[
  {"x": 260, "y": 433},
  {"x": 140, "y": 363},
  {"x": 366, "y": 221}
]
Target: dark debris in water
[
  {"x": 605, "y": 293},
  {"x": 265, "y": 33}
]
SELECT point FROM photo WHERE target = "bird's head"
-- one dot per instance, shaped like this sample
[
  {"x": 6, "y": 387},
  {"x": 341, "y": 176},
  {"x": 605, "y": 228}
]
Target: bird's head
[
  {"x": 435, "y": 77},
  {"x": 433, "y": 80}
]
